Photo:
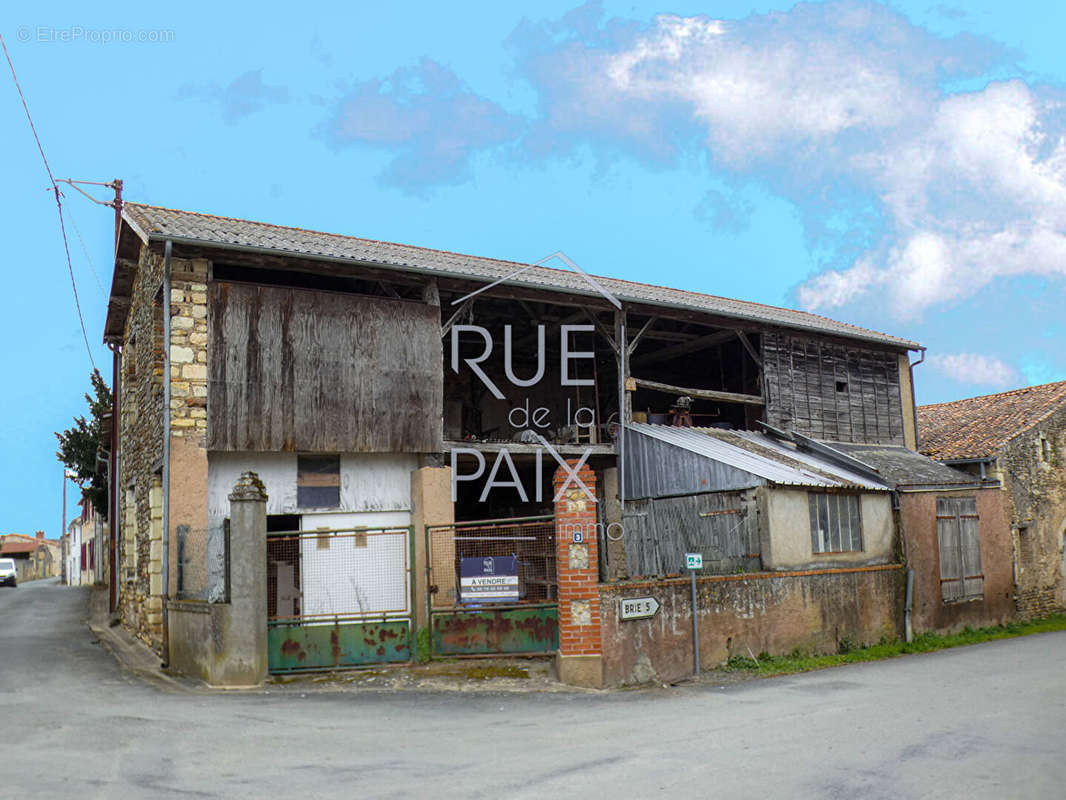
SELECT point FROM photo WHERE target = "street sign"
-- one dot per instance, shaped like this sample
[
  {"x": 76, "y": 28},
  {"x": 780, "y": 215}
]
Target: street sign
[
  {"x": 638, "y": 608},
  {"x": 694, "y": 560}
]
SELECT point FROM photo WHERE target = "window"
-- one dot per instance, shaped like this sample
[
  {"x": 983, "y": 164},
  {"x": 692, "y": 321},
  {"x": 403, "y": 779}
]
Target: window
[
  {"x": 1045, "y": 449},
  {"x": 960, "y": 549},
  {"x": 836, "y": 526},
  {"x": 318, "y": 481}
]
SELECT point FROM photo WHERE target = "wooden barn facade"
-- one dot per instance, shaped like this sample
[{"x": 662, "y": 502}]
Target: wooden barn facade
[{"x": 399, "y": 403}]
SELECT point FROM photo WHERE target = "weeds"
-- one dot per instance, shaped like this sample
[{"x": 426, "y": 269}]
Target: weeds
[{"x": 850, "y": 652}]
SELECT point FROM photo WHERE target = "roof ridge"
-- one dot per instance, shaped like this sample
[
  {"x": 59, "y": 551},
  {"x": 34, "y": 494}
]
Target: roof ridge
[
  {"x": 1009, "y": 392},
  {"x": 753, "y": 303}
]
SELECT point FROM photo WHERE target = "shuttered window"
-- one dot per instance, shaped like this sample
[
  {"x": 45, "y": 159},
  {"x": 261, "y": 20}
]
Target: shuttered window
[
  {"x": 959, "y": 540},
  {"x": 836, "y": 526},
  {"x": 318, "y": 481}
]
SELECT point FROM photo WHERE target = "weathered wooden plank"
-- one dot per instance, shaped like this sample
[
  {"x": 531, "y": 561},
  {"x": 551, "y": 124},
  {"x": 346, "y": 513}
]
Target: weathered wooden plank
[
  {"x": 701, "y": 394},
  {"x": 293, "y": 369}
]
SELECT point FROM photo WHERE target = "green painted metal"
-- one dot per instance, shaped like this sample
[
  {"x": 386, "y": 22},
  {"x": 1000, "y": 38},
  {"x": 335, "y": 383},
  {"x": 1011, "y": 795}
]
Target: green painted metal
[
  {"x": 501, "y": 630},
  {"x": 307, "y": 647}
]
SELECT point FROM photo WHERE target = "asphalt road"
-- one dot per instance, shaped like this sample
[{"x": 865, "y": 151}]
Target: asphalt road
[{"x": 982, "y": 721}]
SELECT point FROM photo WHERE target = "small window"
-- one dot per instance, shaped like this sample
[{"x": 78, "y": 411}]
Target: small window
[
  {"x": 836, "y": 526},
  {"x": 1045, "y": 449},
  {"x": 842, "y": 386},
  {"x": 318, "y": 481}
]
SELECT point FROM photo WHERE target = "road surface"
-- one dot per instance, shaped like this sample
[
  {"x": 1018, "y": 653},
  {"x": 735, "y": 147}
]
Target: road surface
[{"x": 981, "y": 721}]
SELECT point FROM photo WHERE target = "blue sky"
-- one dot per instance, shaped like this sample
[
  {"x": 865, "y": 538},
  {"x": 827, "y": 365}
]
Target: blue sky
[{"x": 898, "y": 166}]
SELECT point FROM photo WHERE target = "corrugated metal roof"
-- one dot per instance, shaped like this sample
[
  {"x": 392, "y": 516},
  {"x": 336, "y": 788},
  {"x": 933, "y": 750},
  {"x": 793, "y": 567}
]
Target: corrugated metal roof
[
  {"x": 761, "y": 455},
  {"x": 205, "y": 229}
]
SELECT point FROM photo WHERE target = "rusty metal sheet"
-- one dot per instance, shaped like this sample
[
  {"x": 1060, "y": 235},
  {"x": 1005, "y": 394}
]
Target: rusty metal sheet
[
  {"x": 529, "y": 629},
  {"x": 299, "y": 648}
]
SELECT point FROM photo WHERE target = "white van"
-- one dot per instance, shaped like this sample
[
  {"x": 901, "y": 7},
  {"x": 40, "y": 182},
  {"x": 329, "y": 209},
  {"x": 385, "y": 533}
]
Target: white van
[{"x": 7, "y": 572}]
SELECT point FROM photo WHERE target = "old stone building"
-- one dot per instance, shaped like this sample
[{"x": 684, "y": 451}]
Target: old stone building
[
  {"x": 408, "y": 411},
  {"x": 1019, "y": 439}
]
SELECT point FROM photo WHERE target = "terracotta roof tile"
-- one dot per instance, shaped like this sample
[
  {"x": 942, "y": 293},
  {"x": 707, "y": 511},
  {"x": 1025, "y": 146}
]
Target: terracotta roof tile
[{"x": 978, "y": 426}]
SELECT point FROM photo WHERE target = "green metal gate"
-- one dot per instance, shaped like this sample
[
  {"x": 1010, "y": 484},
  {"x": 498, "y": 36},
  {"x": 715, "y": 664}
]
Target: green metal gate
[
  {"x": 521, "y": 618},
  {"x": 338, "y": 598}
]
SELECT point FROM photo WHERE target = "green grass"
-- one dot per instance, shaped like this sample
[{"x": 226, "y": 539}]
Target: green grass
[{"x": 851, "y": 653}]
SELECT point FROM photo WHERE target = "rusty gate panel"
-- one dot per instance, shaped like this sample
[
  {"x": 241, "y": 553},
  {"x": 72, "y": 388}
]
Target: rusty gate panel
[
  {"x": 531, "y": 629},
  {"x": 297, "y": 647},
  {"x": 518, "y": 614},
  {"x": 338, "y": 598}
]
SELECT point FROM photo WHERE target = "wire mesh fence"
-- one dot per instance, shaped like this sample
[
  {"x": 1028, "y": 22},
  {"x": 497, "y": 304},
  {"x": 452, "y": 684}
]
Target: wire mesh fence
[
  {"x": 325, "y": 574},
  {"x": 488, "y": 563}
]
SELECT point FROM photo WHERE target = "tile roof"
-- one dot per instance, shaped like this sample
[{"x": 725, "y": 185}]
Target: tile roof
[
  {"x": 212, "y": 231},
  {"x": 904, "y": 468},
  {"x": 759, "y": 454},
  {"x": 978, "y": 426}
]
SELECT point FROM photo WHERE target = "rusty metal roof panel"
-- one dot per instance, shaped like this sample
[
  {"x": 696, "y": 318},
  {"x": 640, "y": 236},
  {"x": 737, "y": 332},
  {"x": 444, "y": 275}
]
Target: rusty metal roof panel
[
  {"x": 204, "y": 229},
  {"x": 759, "y": 455}
]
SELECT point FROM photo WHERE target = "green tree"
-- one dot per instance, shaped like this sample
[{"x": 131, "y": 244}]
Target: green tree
[{"x": 79, "y": 444}]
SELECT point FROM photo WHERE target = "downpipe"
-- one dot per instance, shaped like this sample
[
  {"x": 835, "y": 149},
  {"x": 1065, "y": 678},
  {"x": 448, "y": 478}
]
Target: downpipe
[
  {"x": 908, "y": 631},
  {"x": 166, "y": 450}
]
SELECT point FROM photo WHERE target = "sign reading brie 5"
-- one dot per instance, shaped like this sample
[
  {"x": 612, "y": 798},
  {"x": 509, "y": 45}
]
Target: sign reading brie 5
[
  {"x": 638, "y": 607},
  {"x": 489, "y": 579}
]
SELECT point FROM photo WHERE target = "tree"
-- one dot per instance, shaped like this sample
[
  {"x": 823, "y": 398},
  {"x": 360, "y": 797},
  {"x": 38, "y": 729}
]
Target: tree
[{"x": 78, "y": 445}]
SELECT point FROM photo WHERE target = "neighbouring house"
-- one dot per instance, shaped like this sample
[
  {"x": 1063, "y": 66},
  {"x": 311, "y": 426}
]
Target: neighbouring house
[
  {"x": 84, "y": 542},
  {"x": 35, "y": 556},
  {"x": 955, "y": 538},
  {"x": 504, "y": 455},
  {"x": 1016, "y": 438},
  {"x": 71, "y": 552}
]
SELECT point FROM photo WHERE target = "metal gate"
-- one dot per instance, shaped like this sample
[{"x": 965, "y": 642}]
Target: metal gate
[
  {"x": 338, "y": 598},
  {"x": 491, "y": 587}
]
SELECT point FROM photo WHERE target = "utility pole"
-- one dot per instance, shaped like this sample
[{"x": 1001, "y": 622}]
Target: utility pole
[{"x": 64, "y": 550}]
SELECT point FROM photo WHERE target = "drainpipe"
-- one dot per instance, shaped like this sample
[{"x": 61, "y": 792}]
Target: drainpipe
[
  {"x": 914, "y": 404},
  {"x": 166, "y": 447},
  {"x": 112, "y": 479},
  {"x": 908, "y": 631}
]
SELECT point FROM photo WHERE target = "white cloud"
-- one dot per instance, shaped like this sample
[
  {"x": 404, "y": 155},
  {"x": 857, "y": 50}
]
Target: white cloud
[
  {"x": 976, "y": 369},
  {"x": 841, "y": 108}
]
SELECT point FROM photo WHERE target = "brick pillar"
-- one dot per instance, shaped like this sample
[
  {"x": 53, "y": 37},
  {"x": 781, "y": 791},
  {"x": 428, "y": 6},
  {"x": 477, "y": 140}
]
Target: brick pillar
[{"x": 580, "y": 659}]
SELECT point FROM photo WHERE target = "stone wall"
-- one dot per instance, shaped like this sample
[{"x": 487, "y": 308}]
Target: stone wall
[
  {"x": 814, "y": 611},
  {"x": 141, "y": 453},
  {"x": 142, "y": 421},
  {"x": 1033, "y": 470}
]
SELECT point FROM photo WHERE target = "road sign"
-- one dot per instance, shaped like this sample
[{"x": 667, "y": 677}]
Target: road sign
[
  {"x": 638, "y": 608},
  {"x": 694, "y": 560}
]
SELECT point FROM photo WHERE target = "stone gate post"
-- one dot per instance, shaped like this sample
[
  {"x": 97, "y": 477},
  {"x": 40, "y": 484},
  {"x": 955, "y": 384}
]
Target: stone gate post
[{"x": 246, "y": 635}]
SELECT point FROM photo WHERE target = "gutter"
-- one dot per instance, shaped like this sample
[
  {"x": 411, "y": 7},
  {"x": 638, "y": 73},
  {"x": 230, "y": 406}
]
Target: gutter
[
  {"x": 166, "y": 447},
  {"x": 273, "y": 251},
  {"x": 914, "y": 402}
]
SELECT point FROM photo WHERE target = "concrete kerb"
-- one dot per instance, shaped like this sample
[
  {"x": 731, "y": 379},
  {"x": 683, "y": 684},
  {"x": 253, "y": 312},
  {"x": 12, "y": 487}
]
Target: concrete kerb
[
  {"x": 492, "y": 676},
  {"x": 132, "y": 655}
]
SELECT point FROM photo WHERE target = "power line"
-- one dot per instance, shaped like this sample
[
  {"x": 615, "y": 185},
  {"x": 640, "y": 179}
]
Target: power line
[
  {"x": 59, "y": 202},
  {"x": 85, "y": 250}
]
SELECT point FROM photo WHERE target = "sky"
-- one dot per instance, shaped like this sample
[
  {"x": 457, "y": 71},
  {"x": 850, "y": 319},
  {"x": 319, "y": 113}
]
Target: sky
[{"x": 898, "y": 166}]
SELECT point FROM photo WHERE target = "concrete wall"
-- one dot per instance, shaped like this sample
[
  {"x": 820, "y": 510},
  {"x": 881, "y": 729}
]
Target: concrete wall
[
  {"x": 761, "y": 612},
  {"x": 785, "y": 531},
  {"x": 930, "y": 613}
]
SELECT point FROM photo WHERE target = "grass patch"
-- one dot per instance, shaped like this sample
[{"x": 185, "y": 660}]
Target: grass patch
[{"x": 851, "y": 653}]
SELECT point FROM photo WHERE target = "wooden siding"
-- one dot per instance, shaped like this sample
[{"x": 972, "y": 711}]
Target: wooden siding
[
  {"x": 832, "y": 391},
  {"x": 292, "y": 369},
  {"x": 722, "y": 526}
]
